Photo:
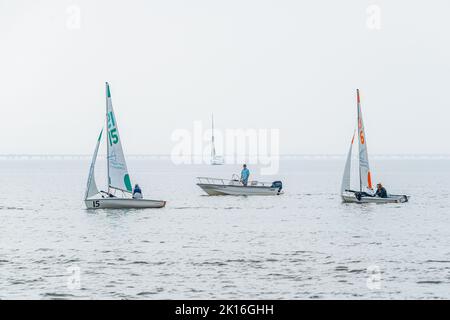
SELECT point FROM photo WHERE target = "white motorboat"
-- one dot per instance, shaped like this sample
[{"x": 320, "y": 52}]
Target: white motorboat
[
  {"x": 365, "y": 193},
  {"x": 119, "y": 183},
  {"x": 215, "y": 159},
  {"x": 234, "y": 187}
]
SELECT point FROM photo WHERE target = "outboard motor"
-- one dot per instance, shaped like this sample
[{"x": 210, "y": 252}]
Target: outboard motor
[{"x": 277, "y": 184}]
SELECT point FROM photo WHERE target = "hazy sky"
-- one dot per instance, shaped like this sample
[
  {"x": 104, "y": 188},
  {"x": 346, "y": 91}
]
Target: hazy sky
[{"x": 289, "y": 65}]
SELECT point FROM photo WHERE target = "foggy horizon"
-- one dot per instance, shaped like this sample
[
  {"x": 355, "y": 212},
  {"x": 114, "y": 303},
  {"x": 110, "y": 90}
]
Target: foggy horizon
[{"x": 283, "y": 65}]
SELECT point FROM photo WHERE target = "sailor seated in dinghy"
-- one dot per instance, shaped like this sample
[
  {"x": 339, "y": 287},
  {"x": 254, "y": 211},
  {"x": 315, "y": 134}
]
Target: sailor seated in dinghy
[
  {"x": 137, "y": 192},
  {"x": 245, "y": 174},
  {"x": 381, "y": 191}
]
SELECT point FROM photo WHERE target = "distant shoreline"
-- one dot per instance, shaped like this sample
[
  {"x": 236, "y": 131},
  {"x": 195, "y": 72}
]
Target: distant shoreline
[{"x": 167, "y": 157}]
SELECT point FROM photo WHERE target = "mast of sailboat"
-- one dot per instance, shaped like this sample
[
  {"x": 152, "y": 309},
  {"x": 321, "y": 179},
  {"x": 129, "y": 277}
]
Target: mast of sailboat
[
  {"x": 213, "y": 149},
  {"x": 107, "y": 136},
  {"x": 359, "y": 128}
]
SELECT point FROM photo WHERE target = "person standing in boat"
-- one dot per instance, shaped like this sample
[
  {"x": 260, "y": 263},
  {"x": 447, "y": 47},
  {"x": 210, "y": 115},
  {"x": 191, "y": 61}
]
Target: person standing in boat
[
  {"x": 137, "y": 192},
  {"x": 245, "y": 174},
  {"x": 381, "y": 191}
]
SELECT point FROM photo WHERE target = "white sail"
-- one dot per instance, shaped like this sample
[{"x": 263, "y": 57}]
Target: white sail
[
  {"x": 364, "y": 169},
  {"x": 118, "y": 177},
  {"x": 215, "y": 159},
  {"x": 213, "y": 147},
  {"x": 346, "y": 177},
  {"x": 91, "y": 188}
]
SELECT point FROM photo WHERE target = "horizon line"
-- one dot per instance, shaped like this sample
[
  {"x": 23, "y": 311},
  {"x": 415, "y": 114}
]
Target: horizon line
[{"x": 165, "y": 155}]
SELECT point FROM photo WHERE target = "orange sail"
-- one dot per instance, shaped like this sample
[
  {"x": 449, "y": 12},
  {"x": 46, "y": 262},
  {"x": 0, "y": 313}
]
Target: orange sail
[{"x": 364, "y": 168}]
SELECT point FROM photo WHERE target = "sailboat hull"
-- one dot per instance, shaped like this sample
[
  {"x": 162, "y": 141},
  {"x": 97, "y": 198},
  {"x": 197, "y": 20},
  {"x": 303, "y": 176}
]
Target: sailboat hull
[
  {"x": 121, "y": 203},
  {"x": 216, "y": 162},
  {"x": 351, "y": 198}
]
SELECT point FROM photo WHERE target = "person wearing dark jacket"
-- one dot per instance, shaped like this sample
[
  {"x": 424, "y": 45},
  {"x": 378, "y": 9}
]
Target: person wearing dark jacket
[
  {"x": 137, "y": 192},
  {"x": 381, "y": 191}
]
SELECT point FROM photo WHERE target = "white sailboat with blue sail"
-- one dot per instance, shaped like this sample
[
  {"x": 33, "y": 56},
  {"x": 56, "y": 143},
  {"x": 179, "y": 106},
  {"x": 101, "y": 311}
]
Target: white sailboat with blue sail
[
  {"x": 119, "y": 193},
  {"x": 366, "y": 193}
]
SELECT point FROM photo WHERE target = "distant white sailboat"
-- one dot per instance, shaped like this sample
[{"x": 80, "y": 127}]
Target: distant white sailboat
[
  {"x": 365, "y": 193},
  {"x": 118, "y": 177},
  {"x": 215, "y": 159}
]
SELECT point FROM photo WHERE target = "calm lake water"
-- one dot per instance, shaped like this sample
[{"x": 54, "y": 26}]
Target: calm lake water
[{"x": 303, "y": 244}]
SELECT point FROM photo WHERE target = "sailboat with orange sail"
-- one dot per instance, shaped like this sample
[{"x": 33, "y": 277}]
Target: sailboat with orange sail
[{"x": 366, "y": 192}]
